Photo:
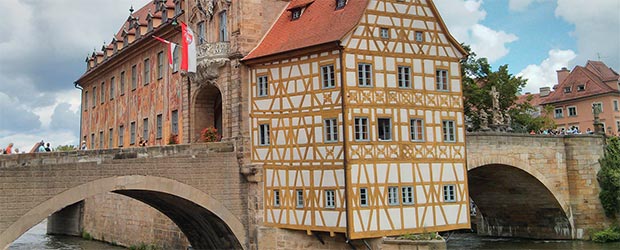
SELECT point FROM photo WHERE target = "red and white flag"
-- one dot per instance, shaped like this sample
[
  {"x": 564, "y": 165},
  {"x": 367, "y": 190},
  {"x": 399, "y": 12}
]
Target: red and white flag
[
  {"x": 171, "y": 47},
  {"x": 188, "y": 61}
]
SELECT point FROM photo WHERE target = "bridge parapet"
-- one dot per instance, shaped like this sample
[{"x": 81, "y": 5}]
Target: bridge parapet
[{"x": 106, "y": 155}]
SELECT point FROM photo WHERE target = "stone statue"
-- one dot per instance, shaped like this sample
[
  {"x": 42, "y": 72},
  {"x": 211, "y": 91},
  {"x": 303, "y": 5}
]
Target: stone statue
[
  {"x": 484, "y": 120},
  {"x": 495, "y": 98},
  {"x": 507, "y": 119}
]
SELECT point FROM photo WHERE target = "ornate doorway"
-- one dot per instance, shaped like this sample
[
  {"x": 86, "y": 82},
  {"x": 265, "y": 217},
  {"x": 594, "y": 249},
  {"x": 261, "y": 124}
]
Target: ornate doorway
[{"x": 207, "y": 110}]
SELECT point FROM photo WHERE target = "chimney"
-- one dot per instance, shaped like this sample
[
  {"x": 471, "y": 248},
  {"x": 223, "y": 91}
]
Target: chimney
[
  {"x": 545, "y": 91},
  {"x": 563, "y": 74}
]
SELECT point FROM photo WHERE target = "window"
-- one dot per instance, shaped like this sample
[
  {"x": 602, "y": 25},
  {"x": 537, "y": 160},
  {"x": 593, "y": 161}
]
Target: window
[
  {"x": 147, "y": 72},
  {"x": 164, "y": 15},
  {"x": 384, "y": 125},
  {"x": 572, "y": 111},
  {"x": 132, "y": 133},
  {"x": 111, "y": 138},
  {"x": 404, "y": 77},
  {"x": 92, "y": 141},
  {"x": 392, "y": 195},
  {"x": 121, "y": 134},
  {"x": 122, "y": 87},
  {"x": 558, "y": 113},
  {"x": 419, "y": 36},
  {"x": 263, "y": 134},
  {"x": 145, "y": 129},
  {"x": 276, "y": 198},
  {"x": 327, "y": 72},
  {"x": 442, "y": 79},
  {"x": 581, "y": 87},
  {"x": 407, "y": 195},
  {"x": 175, "y": 122},
  {"x": 448, "y": 131},
  {"x": 134, "y": 77},
  {"x": 263, "y": 86},
  {"x": 363, "y": 197},
  {"x": 125, "y": 41},
  {"x": 567, "y": 89},
  {"x": 361, "y": 129},
  {"x": 448, "y": 193},
  {"x": 417, "y": 129},
  {"x": 364, "y": 74},
  {"x": 102, "y": 93},
  {"x": 177, "y": 7},
  {"x": 223, "y": 27},
  {"x": 201, "y": 33},
  {"x": 94, "y": 97},
  {"x": 85, "y": 100},
  {"x": 159, "y": 126},
  {"x": 160, "y": 65},
  {"x": 331, "y": 130},
  {"x": 149, "y": 26},
  {"x": 175, "y": 59},
  {"x": 300, "y": 198},
  {"x": 112, "y": 84},
  {"x": 384, "y": 32},
  {"x": 340, "y": 4},
  {"x": 615, "y": 105},
  {"x": 100, "y": 139},
  {"x": 330, "y": 199},
  {"x": 295, "y": 13}
]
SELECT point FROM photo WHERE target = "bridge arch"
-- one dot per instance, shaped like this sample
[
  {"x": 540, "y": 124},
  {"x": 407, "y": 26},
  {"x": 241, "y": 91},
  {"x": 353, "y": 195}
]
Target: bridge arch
[
  {"x": 517, "y": 200},
  {"x": 206, "y": 222}
]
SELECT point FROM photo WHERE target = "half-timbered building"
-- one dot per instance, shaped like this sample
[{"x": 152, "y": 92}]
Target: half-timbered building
[{"x": 357, "y": 118}]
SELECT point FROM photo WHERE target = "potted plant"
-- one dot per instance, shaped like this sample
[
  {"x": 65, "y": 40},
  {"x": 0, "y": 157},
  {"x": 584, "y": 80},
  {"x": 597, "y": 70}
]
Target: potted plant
[{"x": 209, "y": 134}]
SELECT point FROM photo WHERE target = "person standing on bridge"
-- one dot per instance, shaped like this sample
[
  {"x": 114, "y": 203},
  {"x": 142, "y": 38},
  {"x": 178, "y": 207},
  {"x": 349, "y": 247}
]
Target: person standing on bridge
[{"x": 9, "y": 149}]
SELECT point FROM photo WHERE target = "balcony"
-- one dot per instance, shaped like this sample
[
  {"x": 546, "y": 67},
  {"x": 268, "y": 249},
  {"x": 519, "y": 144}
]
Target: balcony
[
  {"x": 213, "y": 50},
  {"x": 210, "y": 58}
]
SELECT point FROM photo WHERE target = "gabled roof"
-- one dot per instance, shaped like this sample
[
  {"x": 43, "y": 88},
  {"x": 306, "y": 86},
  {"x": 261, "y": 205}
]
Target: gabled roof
[
  {"x": 591, "y": 78},
  {"x": 320, "y": 23}
]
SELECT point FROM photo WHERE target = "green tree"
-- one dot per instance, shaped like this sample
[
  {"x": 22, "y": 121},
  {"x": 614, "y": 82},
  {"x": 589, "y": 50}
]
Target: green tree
[
  {"x": 609, "y": 177},
  {"x": 479, "y": 78},
  {"x": 66, "y": 148}
]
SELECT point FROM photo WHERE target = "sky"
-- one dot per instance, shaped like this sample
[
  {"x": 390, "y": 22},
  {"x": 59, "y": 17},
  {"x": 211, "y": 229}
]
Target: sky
[{"x": 44, "y": 44}]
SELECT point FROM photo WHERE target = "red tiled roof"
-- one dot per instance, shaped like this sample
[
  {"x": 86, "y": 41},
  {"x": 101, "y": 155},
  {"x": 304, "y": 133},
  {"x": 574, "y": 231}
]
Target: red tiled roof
[
  {"x": 320, "y": 23},
  {"x": 534, "y": 99},
  {"x": 591, "y": 77}
]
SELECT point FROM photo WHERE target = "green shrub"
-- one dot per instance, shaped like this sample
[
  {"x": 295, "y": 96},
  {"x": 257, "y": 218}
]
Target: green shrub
[
  {"x": 86, "y": 236},
  {"x": 609, "y": 178},
  {"x": 422, "y": 236},
  {"x": 608, "y": 235}
]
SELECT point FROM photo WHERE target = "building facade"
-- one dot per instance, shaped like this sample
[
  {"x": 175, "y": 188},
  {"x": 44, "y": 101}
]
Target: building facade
[
  {"x": 351, "y": 110},
  {"x": 357, "y": 119},
  {"x": 578, "y": 92}
]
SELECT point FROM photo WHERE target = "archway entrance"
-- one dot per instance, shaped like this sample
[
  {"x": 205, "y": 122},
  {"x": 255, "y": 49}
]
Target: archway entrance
[
  {"x": 512, "y": 203},
  {"x": 207, "y": 110}
]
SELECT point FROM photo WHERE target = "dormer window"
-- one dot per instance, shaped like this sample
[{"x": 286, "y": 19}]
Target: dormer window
[
  {"x": 177, "y": 7},
  {"x": 149, "y": 26},
  {"x": 340, "y": 4},
  {"x": 567, "y": 89},
  {"x": 164, "y": 15},
  {"x": 296, "y": 13},
  {"x": 114, "y": 46},
  {"x": 581, "y": 87},
  {"x": 125, "y": 41}
]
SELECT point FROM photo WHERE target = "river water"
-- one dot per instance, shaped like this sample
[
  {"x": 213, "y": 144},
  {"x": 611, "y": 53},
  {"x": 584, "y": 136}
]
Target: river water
[{"x": 36, "y": 239}]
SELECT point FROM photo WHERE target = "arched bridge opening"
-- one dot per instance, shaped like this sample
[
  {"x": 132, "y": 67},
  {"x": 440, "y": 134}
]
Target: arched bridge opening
[
  {"x": 206, "y": 223},
  {"x": 513, "y": 203}
]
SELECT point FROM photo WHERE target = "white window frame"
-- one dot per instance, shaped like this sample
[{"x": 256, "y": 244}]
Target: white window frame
[
  {"x": 364, "y": 75},
  {"x": 404, "y": 77},
  {"x": 328, "y": 76},
  {"x": 442, "y": 80},
  {"x": 361, "y": 129},
  {"x": 384, "y": 33},
  {"x": 330, "y": 126},
  {"x": 449, "y": 193},
  {"x": 300, "y": 198},
  {"x": 558, "y": 115},
  {"x": 413, "y": 127},
  {"x": 262, "y": 85},
  {"x": 276, "y": 198},
  {"x": 263, "y": 135},
  {"x": 419, "y": 36},
  {"x": 574, "y": 108},
  {"x": 330, "y": 198},
  {"x": 407, "y": 195},
  {"x": 363, "y": 192},
  {"x": 383, "y": 130},
  {"x": 449, "y": 130},
  {"x": 393, "y": 196}
]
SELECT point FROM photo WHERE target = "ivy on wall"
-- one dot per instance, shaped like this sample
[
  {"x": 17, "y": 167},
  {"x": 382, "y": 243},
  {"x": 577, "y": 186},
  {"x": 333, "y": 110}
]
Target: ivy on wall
[{"x": 609, "y": 177}]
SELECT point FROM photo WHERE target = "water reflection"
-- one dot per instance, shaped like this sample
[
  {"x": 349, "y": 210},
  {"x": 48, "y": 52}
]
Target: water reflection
[
  {"x": 466, "y": 241},
  {"x": 36, "y": 238}
]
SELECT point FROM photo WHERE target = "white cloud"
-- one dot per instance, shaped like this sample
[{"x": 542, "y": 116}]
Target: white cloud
[
  {"x": 521, "y": 5},
  {"x": 544, "y": 74},
  {"x": 463, "y": 19},
  {"x": 596, "y": 29}
]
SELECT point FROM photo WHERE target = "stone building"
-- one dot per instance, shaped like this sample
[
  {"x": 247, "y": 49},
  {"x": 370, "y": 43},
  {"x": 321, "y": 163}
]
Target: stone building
[{"x": 351, "y": 110}]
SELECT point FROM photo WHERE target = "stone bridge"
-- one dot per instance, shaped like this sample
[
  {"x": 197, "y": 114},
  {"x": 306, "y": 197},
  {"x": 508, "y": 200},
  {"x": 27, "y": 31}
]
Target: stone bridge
[
  {"x": 535, "y": 186},
  {"x": 523, "y": 186},
  {"x": 199, "y": 187}
]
